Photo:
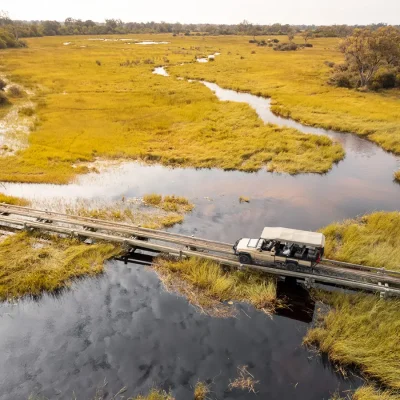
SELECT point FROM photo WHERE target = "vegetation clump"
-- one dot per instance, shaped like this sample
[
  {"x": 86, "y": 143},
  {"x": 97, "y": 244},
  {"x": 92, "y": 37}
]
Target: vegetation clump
[
  {"x": 206, "y": 285},
  {"x": 168, "y": 203},
  {"x": 31, "y": 264},
  {"x": 363, "y": 331},
  {"x": 372, "y": 239},
  {"x": 244, "y": 381},
  {"x": 371, "y": 393},
  {"x": 16, "y": 201},
  {"x": 201, "y": 391}
]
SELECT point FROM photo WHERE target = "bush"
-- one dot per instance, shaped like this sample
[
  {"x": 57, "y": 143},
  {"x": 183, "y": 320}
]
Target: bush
[
  {"x": 3, "y": 84},
  {"x": 3, "y": 44},
  {"x": 98, "y": 62},
  {"x": 15, "y": 91},
  {"x": 27, "y": 111},
  {"x": 275, "y": 40},
  {"x": 3, "y": 99},
  {"x": 341, "y": 79},
  {"x": 384, "y": 79},
  {"x": 329, "y": 64},
  {"x": 286, "y": 47}
]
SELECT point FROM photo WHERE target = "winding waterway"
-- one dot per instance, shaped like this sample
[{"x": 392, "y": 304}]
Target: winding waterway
[{"x": 123, "y": 327}]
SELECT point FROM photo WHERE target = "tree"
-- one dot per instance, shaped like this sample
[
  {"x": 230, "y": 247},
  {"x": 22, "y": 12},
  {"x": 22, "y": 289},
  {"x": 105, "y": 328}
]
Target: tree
[
  {"x": 307, "y": 35},
  {"x": 368, "y": 50},
  {"x": 290, "y": 35}
]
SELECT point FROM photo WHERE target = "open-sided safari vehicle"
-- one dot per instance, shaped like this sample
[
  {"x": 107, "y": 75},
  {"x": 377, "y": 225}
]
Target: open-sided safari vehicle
[{"x": 283, "y": 247}]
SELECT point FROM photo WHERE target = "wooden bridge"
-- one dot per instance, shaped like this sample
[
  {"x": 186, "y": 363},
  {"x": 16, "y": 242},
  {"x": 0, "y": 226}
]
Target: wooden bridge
[{"x": 134, "y": 238}]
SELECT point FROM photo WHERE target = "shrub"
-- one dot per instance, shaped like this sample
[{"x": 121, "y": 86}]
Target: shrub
[
  {"x": 3, "y": 84},
  {"x": 341, "y": 79},
  {"x": 384, "y": 79},
  {"x": 15, "y": 91},
  {"x": 286, "y": 47},
  {"x": 27, "y": 111},
  {"x": 329, "y": 64},
  {"x": 3, "y": 44},
  {"x": 3, "y": 99},
  {"x": 98, "y": 62},
  {"x": 275, "y": 40}
]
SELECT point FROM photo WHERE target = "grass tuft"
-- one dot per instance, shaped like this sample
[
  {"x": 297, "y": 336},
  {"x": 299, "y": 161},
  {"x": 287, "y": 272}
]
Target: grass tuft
[
  {"x": 206, "y": 285},
  {"x": 201, "y": 391},
  {"x": 243, "y": 199},
  {"x": 244, "y": 381},
  {"x": 169, "y": 203}
]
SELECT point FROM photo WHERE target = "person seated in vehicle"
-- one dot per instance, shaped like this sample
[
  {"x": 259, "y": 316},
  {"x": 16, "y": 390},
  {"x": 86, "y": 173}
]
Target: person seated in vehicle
[
  {"x": 267, "y": 245},
  {"x": 287, "y": 250}
]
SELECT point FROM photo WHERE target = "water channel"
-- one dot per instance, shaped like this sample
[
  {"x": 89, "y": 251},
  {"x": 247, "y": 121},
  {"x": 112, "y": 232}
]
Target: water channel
[{"x": 123, "y": 327}]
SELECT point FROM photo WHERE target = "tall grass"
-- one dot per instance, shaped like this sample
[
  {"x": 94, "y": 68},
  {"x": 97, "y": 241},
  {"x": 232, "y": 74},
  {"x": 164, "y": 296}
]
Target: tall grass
[
  {"x": 115, "y": 113},
  {"x": 29, "y": 265},
  {"x": 361, "y": 330},
  {"x": 373, "y": 239},
  {"x": 206, "y": 284},
  {"x": 16, "y": 201}
]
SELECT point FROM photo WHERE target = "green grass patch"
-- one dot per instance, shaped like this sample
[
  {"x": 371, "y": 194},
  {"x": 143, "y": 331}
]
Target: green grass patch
[
  {"x": 169, "y": 203},
  {"x": 207, "y": 285},
  {"x": 32, "y": 264},
  {"x": 373, "y": 240},
  {"x": 362, "y": 331}
]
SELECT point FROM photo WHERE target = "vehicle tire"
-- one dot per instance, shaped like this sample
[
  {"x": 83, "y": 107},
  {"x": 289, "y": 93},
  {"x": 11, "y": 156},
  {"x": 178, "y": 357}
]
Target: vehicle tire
[
  {"x": 245, "y": 259},
  {"x": 291, "y": 266}
]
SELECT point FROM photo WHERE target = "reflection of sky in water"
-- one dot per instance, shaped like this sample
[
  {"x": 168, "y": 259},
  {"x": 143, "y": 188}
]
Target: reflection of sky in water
[
  {"x": 126, "y": 329},
  {"x": 361, "y": 183}
]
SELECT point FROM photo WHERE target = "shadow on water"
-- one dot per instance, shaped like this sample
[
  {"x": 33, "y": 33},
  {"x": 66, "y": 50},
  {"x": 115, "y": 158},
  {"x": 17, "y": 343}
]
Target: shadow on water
[{"x": 124, "y": 327}]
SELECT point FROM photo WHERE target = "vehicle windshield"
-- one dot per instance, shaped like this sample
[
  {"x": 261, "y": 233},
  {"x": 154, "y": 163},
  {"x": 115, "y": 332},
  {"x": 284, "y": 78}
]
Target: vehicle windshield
[{"x": 253, "y": 243}]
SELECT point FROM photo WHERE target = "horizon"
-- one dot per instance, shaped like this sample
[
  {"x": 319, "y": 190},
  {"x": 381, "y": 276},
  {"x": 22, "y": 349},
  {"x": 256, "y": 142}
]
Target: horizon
[{"x": 308, "y": 12}]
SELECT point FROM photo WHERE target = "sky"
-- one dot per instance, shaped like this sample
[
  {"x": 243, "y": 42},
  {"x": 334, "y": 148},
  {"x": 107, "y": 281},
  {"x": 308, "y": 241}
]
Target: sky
[{"x": 318, "y": 12}]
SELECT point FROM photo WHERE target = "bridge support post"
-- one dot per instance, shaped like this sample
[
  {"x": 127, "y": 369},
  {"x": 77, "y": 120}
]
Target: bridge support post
[{"x": 309, "y": 283}]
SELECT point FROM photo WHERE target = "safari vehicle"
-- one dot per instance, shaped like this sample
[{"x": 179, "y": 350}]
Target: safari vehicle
[{"x": 288, "y": 248}]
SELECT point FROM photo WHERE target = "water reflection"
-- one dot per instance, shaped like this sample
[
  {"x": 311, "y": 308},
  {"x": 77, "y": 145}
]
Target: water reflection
[{"x": 124, "y": 327}]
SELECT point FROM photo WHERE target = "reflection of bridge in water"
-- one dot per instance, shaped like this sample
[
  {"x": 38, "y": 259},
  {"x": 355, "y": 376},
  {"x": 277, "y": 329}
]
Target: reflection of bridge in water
[{"x": 135, "y": 238}]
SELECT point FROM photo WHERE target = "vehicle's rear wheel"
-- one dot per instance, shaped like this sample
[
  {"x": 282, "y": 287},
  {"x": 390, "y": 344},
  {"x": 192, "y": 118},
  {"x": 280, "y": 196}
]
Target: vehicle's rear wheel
[
  {"x": 291, "y": 266},
  {"x": 245, "y": 259}
]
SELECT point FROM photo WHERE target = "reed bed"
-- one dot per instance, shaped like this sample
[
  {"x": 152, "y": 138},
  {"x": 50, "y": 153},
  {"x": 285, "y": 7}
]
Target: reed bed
[
  {"x": 208, "y": 287},
  {"x": 15, "y": 201}
]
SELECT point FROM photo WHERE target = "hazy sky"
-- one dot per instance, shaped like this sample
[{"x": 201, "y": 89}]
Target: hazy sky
[{"x": 212, "y": 11}]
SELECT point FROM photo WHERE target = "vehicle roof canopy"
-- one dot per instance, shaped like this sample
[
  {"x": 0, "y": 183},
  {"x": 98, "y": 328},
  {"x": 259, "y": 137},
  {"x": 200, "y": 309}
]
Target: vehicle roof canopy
[{"x": 294, "y": 236}]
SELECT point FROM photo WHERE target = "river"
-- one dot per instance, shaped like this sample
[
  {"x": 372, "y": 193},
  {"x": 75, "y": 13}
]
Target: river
[{"x": 123, "y": 327}]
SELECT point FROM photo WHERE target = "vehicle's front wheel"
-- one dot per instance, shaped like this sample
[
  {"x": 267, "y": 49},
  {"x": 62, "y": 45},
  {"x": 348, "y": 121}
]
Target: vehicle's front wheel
[{"x": 245, "y": 259}]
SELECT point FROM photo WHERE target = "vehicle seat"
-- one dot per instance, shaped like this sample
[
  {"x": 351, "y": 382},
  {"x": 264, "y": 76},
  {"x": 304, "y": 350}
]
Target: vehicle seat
[{"x": 300, "y": 252}]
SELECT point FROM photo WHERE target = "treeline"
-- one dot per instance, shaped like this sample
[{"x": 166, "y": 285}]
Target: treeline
[{"x": 23, "y": 29}]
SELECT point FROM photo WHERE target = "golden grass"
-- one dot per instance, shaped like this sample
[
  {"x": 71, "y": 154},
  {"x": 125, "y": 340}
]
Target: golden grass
[
  {"x": 373, "y": 240},
  {"x": 397, "y": 176},
  {"x": 168, "y": 203},
  {"x": 244, "y": 381},
  {"x": 201, "y": 391},
  {"x": 363, "y": 331},
  {"x": 16, "y": 201},
  {"x": 30, "y": 265},
  {"x": 87, "y": 111},
  {"x": 296, "y": 82},
  {"x": 126, "y": 214},
  {"x": 154, "y": 394},
  {"x": 206, "y": 285},
  {"x": 371, "y": 393}
]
